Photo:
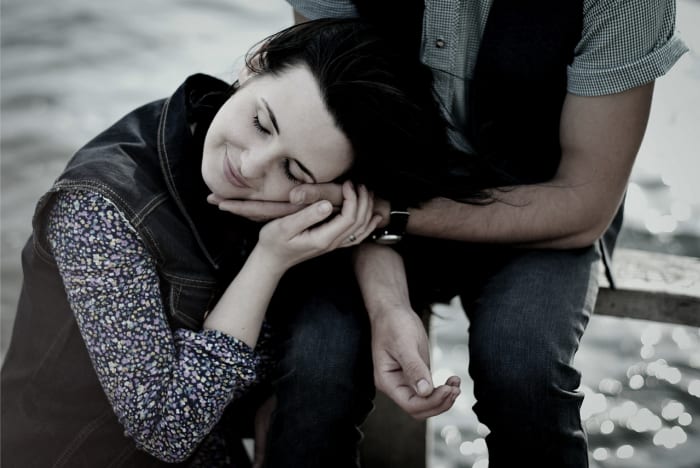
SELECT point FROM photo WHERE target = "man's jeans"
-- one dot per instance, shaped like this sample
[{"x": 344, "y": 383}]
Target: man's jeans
[
  {"x": 324, "y": 383},
  {"x": 527, "y": 311},
  {"x": 524, "y": 329}
]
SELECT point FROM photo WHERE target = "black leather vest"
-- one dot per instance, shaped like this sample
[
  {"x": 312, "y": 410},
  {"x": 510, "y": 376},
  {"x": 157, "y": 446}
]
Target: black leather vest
[{"x": 55, "y": 412}]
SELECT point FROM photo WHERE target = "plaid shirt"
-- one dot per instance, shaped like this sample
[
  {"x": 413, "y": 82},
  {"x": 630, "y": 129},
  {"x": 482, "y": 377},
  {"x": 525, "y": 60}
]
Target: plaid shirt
[{"x": 624, "y": 44}]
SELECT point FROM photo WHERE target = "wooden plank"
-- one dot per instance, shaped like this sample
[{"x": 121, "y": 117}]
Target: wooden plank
[
  {"x": 653, "y": 286},
  {"x": 652, "y": 271},
  {"x": 649, "y": 305}
]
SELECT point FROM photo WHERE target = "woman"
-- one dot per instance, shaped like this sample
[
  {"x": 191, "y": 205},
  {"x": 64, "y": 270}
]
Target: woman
[{"x": 140, "y": 328}]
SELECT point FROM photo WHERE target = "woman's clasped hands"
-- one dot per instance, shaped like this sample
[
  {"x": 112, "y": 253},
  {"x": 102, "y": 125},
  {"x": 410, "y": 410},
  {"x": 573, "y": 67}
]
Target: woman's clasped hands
[{"x": 314, "y": 229}]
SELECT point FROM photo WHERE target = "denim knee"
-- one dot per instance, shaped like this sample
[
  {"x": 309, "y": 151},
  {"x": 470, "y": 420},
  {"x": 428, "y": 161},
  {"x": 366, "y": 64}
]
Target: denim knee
[
  {"x": 528, "y": 399},
  {"x": 324, "y": 388},
  {"x": 519, "y": 371},
  {"x": 326, "y": 356}
]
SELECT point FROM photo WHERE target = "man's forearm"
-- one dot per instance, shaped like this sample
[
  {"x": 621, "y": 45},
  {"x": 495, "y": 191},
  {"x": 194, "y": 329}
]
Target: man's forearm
[
  {"x": 600, "y": 137},
  {"x": 382, "y": 278},
  {"x": 538, "y": 216}
]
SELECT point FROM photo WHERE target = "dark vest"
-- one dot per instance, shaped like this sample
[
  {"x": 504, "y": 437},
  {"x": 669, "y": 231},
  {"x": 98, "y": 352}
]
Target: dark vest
[
  {"x": 516, "y": 94},
  {"x": 53, "y": 409},
  {"x": 519, "y": 84}
]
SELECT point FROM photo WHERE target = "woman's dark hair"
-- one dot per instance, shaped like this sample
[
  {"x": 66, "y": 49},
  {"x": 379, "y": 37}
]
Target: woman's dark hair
[{"x": 382, "y": 98}]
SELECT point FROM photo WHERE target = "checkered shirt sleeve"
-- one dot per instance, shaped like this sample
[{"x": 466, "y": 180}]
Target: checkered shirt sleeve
[
  {"x": 323, "y": 8},
  {"x": 625, "y": 43}
]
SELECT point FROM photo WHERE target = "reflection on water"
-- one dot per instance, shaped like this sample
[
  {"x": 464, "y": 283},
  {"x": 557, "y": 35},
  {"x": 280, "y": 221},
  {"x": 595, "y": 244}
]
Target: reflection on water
[
  {"x": 641, "y": 382},
  {"x": 70, "y": 68}
]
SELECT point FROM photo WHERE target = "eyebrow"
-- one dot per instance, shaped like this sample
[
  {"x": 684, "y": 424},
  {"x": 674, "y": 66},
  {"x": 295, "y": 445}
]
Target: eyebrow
[{"x": 273, "y": 119}]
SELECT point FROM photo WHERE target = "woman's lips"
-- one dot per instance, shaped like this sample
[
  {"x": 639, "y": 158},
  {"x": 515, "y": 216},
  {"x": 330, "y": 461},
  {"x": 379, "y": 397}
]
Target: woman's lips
[{"x": 232, "y": 174}]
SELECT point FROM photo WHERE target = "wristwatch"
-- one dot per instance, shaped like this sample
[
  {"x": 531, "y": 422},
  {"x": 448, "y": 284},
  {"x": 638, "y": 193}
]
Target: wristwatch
[{"x": 395, "y": 230}]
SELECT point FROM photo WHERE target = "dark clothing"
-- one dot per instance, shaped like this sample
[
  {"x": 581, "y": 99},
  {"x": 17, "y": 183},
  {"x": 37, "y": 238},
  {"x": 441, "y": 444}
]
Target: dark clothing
[
  {"x": 527, "y": 308},
  {"x": 54, "y": 410}
]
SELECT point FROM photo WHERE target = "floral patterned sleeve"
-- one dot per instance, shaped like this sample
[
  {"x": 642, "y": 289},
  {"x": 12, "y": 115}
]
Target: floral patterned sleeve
[{"x": 168, "y": 390}]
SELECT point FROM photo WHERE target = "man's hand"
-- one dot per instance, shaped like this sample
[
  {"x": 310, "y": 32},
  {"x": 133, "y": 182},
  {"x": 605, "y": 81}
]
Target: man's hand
[
  {"x": 299, "y": 197},
  {"x": 400, "y": 348},
  {"x": 310, "y": 193},
  {"x": 401, "y": 365}
]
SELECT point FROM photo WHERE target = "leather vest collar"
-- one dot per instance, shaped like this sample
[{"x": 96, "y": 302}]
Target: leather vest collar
[{"x": 187, "y": 114}]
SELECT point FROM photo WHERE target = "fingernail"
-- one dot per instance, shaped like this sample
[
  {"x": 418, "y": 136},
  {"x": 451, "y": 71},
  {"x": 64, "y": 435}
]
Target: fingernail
[
  {"x": 423, "y": 387},
  {"x": 324, "y": 207}
]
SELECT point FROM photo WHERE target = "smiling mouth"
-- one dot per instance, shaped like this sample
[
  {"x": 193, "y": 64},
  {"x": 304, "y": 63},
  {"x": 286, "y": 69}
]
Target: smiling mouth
[{"x": 232, "y": 174}]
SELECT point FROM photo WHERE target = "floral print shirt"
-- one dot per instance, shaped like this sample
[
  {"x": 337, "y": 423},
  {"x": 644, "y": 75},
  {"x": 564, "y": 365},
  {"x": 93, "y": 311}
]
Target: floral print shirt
[{"x": 167, "y": 389}]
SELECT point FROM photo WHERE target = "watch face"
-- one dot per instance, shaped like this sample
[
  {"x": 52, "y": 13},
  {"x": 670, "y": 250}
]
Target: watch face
[{"x": 388, "y": 239}]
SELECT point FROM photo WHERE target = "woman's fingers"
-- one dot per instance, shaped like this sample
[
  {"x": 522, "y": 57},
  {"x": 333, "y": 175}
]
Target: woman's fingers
[
  {"x": 295, "y": 224},
  {"x": 330, "y": 235},
  {"x": 365, "y": 220},
  {"x": 354, "y": 223}
]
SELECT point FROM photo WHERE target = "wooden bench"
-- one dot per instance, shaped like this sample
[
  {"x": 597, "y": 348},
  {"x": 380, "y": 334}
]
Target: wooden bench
[{"x": 650, "y": 286}]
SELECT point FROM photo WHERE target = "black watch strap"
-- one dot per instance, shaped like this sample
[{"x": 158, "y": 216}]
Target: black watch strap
[{"x": 395, "y": 230}]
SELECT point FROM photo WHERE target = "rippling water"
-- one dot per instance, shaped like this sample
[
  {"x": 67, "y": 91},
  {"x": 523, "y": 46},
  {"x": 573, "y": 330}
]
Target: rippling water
[{"x": 71, "y": 68}]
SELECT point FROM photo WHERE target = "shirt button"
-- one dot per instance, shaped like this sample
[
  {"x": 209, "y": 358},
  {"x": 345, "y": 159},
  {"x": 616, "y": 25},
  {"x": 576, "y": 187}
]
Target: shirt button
[{"x": 439, "y": 43}]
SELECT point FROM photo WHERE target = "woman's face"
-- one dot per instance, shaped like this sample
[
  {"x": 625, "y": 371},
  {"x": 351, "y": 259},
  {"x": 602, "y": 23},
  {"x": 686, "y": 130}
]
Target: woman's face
[{"x": 272, "y": 134}]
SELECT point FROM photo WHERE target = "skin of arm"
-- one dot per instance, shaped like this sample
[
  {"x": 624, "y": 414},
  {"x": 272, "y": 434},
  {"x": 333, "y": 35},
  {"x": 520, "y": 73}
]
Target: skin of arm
[
  {"x": 282, "y": 244},
  {"x": 250, "y": 291},
  {"x": 400, "y": 347},
  {"x": 600, "y": 137},
  {"x": 171, "y": 404}
]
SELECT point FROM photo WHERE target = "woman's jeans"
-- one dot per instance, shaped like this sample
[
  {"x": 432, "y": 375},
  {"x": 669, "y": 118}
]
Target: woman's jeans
[{"x": 527, "y": 311}]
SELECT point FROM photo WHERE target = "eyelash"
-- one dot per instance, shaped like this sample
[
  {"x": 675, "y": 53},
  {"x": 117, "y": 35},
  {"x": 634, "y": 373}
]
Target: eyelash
[
  {"x": 258, "y": 127},
  {"x": 286, "y": 164}
]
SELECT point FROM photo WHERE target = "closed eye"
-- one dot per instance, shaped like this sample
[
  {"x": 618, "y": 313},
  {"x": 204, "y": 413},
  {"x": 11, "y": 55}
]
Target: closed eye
[
  {"x": 258, "y": 126},
  {"x": 287, "y": 166}
]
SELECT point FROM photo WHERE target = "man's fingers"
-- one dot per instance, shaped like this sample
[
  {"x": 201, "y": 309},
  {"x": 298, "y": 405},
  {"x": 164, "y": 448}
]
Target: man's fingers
[
  {"x": 417, "y": 373},
  {"x": 453, "y": 381},
  {"x": 310, "y": 193},
  {"x": 419, "y": 407},
  {"x": 446, "y": 401}
]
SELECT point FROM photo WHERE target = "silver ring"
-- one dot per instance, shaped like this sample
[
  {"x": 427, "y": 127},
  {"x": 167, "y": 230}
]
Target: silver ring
[{"x": 352, "y": 238}]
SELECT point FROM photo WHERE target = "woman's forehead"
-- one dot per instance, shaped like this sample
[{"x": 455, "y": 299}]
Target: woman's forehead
[{"x": 306, "y": 127}]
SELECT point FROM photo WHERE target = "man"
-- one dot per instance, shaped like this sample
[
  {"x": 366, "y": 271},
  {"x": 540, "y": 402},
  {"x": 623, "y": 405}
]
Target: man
[{"x": 558, "y": 94}]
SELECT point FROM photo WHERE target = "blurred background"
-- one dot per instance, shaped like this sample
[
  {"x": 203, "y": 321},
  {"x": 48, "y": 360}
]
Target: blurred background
[{"x": 71, "y": 68}]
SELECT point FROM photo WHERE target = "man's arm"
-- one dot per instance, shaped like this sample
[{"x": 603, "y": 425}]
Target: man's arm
[
  {"x": 400, "y": 348},
  {"x": 600, "y": 137}
]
